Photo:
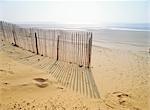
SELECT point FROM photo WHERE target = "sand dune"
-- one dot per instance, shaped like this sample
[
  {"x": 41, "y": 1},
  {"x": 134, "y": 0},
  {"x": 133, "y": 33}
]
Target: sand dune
[{"x": 117, "y": 80}]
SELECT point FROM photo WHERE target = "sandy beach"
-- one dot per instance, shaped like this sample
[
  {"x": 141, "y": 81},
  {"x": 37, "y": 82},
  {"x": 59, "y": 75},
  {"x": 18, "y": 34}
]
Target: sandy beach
[
  {"x": 117, "y": 80},
  {"x": 75, "y": 55}
]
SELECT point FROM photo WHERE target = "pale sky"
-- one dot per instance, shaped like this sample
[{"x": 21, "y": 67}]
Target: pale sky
[{"x": 76, "y": 12}]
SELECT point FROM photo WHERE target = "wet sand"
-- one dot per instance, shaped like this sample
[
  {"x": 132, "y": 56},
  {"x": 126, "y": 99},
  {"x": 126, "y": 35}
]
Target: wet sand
[{"x": 117, "y": 80}]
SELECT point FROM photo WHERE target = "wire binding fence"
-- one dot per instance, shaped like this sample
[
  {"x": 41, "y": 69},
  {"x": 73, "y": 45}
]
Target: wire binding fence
[{"x": 65, "y": 45}]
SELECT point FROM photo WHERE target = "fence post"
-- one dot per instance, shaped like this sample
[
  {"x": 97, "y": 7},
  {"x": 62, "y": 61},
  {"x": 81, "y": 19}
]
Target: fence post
[
  {"x": 90, "y": 49},
  {"x": 1, "y": 37},
  {"x": 3, "y": 30},
  {"x": 57, "y": 47},
  {"x": 13, "y": 32},
  {"x": 37, "y": 51}
]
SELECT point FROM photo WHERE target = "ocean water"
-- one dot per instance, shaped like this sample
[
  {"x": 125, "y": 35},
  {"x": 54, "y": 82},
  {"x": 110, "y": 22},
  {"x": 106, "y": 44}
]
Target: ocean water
[{"x": 136, "y": 27}]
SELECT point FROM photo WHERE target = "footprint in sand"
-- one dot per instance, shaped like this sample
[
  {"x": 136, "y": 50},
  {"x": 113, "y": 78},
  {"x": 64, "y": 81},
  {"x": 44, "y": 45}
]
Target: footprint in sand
[
  {"x": 41, "y": 82},
  {"x": 120, "y": 99}
]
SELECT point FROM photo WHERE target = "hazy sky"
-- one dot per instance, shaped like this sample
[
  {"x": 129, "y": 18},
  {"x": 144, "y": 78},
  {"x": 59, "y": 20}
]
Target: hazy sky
[{"x": 97, "y": 12}]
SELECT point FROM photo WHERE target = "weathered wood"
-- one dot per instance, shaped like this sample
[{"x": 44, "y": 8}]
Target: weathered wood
[
  {"x": 36, "y": 44},
  {"x": 2, "y": 24},
  {"x": 71, "y": 46},
  {"x": 57, "y": 48},
  {"x": 14, "y": 36},
  {"x": 90, "y": 49}
]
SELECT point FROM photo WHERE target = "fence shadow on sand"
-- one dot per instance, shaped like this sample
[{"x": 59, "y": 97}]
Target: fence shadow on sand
[
  {"x": 78, "y": 79},
  {"x": 72, "y": 76}
]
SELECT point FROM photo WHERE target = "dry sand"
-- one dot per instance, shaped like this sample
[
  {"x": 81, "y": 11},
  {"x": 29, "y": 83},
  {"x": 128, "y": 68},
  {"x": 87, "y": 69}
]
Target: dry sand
[{"x": 118, "y": 80}]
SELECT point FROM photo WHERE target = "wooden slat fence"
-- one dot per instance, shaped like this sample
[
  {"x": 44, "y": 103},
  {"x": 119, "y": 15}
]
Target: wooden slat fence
[{"x": 65, "y": 45}]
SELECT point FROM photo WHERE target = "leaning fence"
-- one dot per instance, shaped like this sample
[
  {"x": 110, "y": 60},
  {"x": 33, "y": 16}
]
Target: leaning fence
[{"x": 65, "y": 45}]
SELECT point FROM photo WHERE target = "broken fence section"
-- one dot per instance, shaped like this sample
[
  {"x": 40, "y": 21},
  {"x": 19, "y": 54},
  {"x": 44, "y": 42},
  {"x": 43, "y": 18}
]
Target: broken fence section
[{"x": 65, "y": 45}]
